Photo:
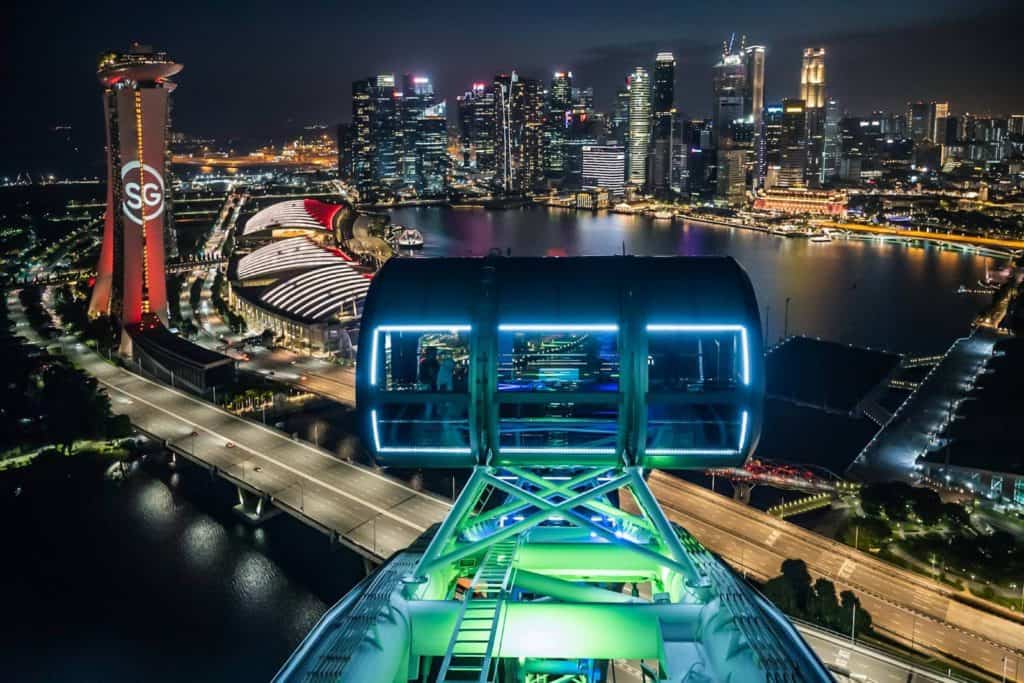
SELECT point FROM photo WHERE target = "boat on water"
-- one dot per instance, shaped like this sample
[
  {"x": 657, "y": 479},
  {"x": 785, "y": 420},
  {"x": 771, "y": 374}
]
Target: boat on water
[
  {"x": 410, "y": 238},
  {"x": 623, "y": 208},
  {"x": 821, "y": 237},
  {"x": 663, "y": 215}
]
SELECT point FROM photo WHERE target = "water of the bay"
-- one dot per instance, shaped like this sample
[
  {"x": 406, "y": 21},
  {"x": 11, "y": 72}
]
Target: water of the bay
[{"x": 861, "y": 292}]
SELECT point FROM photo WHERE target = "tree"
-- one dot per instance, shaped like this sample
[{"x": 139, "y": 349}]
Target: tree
[
  {"x": 791, "y": 591},
  {"x": 928, "y": 506},
  {"x": 955, "y": 515},
  {"x": 73, "y": 405},
  {"x": 826, "y": 611},
  {"x": 847, "y": 601}
]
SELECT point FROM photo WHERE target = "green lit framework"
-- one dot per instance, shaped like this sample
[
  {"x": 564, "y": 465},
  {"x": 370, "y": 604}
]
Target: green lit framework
[{"x": 555, "y": 560}]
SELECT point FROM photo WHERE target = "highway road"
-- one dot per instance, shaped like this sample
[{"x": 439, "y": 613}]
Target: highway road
[
  {"x": 374, "y": 514},
  {"x": 904, "y": 606}
]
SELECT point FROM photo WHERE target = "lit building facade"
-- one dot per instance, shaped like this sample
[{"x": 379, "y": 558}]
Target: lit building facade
[
  {"x": 131, "y": 284},
  {"x": 604, "y": 166},
  {"x": 812, "y": 92},
  {"x": 663, "y": 132},
  {"x": 639, "y": 124},
  {"x": 803, "y": 202},
  {"x": 560, "y": 106},
  {"x": 833, "y": 143},
  {"x": 476, "y": 126},
  {"x": 417, "y": 96},
  {"x": 755, "y": 55},
  {"x": 792, "y": 145},
  {"x": 519, "y": 126},
  {"x": 431, "y": 153}
]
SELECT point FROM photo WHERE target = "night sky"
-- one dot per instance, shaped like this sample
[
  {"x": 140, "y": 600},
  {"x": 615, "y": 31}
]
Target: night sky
[{"x": 260, "y": 69}]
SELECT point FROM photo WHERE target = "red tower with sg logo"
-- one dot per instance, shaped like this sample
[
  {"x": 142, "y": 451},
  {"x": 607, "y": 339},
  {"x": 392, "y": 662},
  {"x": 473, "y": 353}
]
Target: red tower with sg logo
[{"x": 131, "y": 283}]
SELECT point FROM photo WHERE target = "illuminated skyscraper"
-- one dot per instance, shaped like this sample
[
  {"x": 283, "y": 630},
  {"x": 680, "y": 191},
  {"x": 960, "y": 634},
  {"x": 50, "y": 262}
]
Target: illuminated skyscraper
[
  {"x": 559, "y": 106},
  {"x": 664, "y": 85},
  {"x": 730, "y": 94},
  {"x": 663, "y": 133},
  {"x": 417, "y": 95},
  {"x": 919, "y": 120},
  {"x": 476, "y": 124},
  {"x": 793, "y": 144},
  {"x": 812, "y": 92},
  {"x": 131, "y": 282},
  {"x": 639, "y": 124},
  {"x": 519, "y": 131},
  {"x": 363, "y": 150},
  {"x": 431, "y": 153},
  {"x": 755, "y": 107},
  {"x": 938, "y": 114},
  {"x": 833, "y": 144}
]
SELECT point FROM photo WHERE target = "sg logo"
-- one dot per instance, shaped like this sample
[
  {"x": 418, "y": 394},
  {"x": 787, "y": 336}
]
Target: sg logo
[{"x": 142, "y": 201}]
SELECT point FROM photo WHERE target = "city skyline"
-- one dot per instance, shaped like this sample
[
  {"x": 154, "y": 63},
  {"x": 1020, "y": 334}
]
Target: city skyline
[{"x": 219, "y": 103}]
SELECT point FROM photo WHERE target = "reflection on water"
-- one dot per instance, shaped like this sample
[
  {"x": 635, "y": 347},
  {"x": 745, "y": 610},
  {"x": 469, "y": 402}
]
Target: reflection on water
[
  {"x": 145, "y": 580},
  {"x": 865, "y": 293}
]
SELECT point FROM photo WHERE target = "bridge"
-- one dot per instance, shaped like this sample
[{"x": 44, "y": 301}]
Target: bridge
[{"x": 783, "y": 476}]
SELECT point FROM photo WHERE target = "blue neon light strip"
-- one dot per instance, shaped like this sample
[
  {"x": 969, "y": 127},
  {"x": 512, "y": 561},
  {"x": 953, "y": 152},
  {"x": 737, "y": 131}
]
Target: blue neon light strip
[
  {"x": 744, "y": 424},
  {"x": 456, "y": 450},
  {"x": 406, "y": 328},
  {"x": 713, "y": 328},
  {"x": 557, "y": 327},
  {"x": 559, "y": 451}
]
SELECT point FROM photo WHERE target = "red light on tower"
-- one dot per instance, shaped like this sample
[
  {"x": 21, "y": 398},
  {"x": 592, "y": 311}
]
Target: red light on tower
[{"x": 131, "y": 282}]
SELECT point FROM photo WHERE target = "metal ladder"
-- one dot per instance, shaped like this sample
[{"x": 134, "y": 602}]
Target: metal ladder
[{"x": 470, "y": 649}]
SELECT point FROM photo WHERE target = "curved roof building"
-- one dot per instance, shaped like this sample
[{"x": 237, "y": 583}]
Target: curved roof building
[
  {"x": 318, "y": 293},
  {"x": 305, "y": 292},
  {"x": 293, "y": 253},
  {"x": 294, "y": 217}
]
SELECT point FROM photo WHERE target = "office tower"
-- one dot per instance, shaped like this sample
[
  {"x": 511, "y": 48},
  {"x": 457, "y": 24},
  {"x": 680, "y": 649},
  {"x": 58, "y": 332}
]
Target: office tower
[
  {"x": 363, "y": 149},
  {"x": 732, "y": 176},
  {"x": 939, "y": 111},
  {"x": 345, "y": 133},
  {"x": 386, "y": 130},
  {"x": 812, "y": 92},
  {"x": 945, "y": 131},
  {"x": 519, "y": 128},
  {"x": 431, "y": 153},
  {"x": 659, "y": 168},
  {"x": 793, "y": 144},
  {"x": 1015, "y": 124},
  {"x": 639, "y": 124},
  {"x": 131, "y": 282},
  {"x": 558, "y": 108},
  {"x": 729, "y": 78},
  {"x": 415, "y": 97},
  {"x": 664, "y": 85},
  {"x": 604, "y": 166},
  {"x": 583, "y": 101},
  {"x": 772, "y": 144},
  {"x": 754, "y": 107},
  {"x": 918, "y": 121},
  {"x": 476, "y": 124},
  {"x": 833, "y": 143},
  {"x": 620, "y": 117}
]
